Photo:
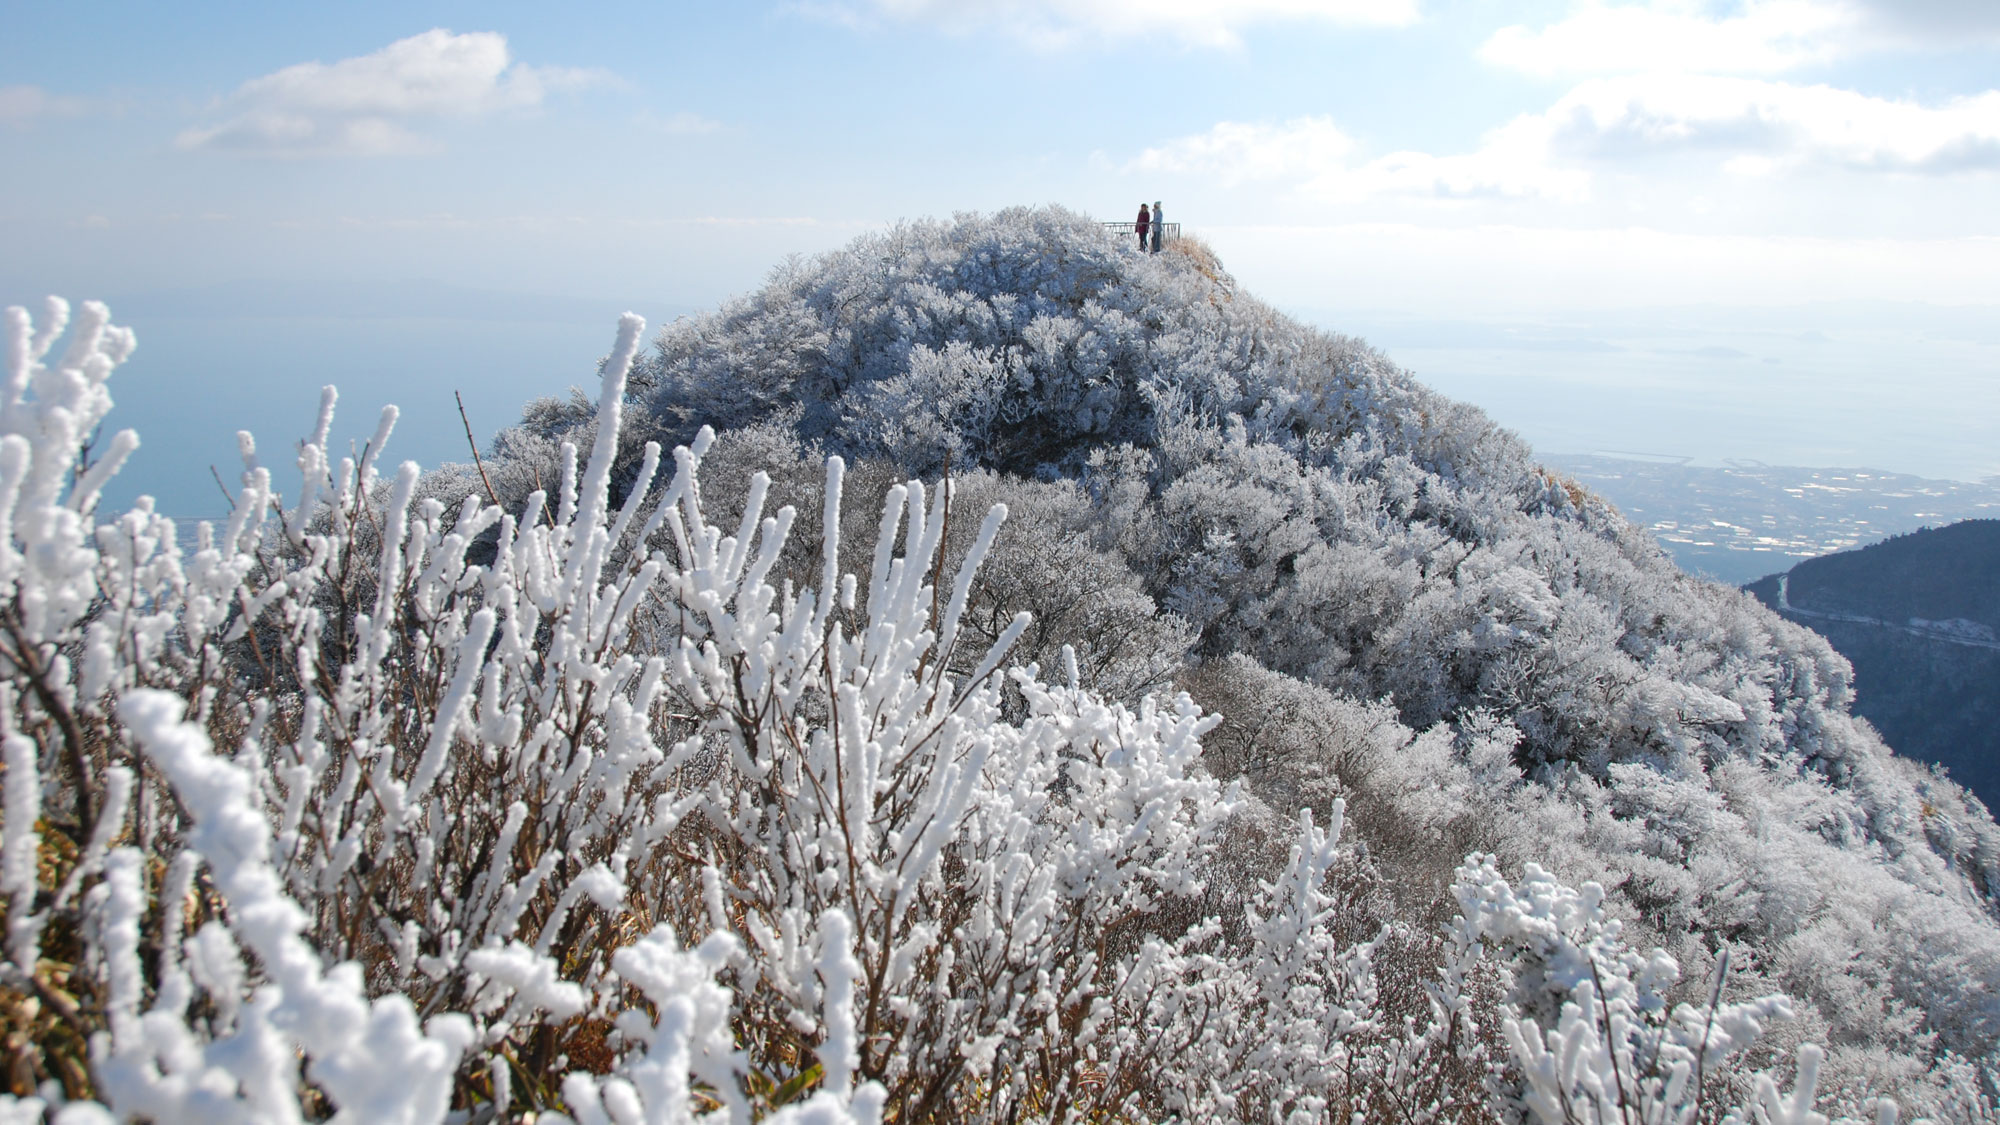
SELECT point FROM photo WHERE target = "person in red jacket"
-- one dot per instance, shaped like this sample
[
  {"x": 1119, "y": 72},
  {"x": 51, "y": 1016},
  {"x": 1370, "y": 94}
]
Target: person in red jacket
[{"x": 1145, "y": 220}]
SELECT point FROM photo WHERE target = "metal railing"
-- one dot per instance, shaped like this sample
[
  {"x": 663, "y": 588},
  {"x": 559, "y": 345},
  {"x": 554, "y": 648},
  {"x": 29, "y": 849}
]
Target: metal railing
[{"x": 1168, "y": 231}]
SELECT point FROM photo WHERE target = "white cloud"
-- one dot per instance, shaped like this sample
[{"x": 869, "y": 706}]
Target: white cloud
[
  {"x": 1763, "y": 126},
  {"x": 1063, "y": 23},
  {"x": 1694, "y": 131},
  {"x": 1763, "y": 37},
  {"x": 368, "y": 105},
  {"x": 1511, "y": 161},
  {"x": 1746, "y": 37},
  {"x": 22, "y": 104},
  {"x": 1316, "y": 156},
  {"x": 1235, "y": 152}
]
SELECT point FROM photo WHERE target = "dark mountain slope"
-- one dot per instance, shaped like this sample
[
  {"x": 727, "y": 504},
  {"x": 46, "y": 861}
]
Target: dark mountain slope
[
  {"x": 1935, "y": 575},
  {"x": 1918, "y": 615}
]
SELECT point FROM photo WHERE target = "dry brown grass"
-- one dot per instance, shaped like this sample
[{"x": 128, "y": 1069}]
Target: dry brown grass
[{"x": 1204, "y": 259}]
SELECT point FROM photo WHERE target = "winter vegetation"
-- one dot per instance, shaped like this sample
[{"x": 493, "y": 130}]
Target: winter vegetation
[{"x": 985, "y": 675}]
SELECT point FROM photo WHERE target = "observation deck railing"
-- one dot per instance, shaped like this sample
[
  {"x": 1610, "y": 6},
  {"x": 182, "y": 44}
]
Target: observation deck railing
[{"x": 1168, "y": 231}]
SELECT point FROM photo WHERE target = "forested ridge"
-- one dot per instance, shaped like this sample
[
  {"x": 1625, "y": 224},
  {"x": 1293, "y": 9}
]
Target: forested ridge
[
  {"x": 1216, "y": 725},
  {"x": 1916, "y": 615}
]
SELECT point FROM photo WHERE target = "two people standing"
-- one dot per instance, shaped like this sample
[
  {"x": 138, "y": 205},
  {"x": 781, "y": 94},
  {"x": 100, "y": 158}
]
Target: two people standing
[{"x": 1153, "y": 223}]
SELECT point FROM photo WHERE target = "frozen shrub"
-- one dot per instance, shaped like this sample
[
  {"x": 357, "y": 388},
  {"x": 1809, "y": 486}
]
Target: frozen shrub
[{"x": 390, "y": 804}]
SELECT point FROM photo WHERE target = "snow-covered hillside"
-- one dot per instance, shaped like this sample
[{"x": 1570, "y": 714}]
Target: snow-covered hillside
[
  {"x": 1493, "y": 657},
  {"x": 1217, "y": 725}
]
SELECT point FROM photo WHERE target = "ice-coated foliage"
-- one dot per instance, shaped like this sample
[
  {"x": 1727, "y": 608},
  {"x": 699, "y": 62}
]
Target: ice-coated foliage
[
  {"x": 1593, "y": 1029},
  {"x": 438, "y": 802},
  {"x": 325, "y": 820},
  {"x": 1384, "y": 597}
]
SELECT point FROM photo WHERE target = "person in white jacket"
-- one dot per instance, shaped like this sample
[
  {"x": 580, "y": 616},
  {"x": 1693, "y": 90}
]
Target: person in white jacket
[{"x": 1159, "y": 226}]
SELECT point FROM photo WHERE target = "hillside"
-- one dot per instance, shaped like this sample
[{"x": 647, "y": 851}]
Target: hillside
[
  {"x": 1381, "y": 591},
  {"x": 1917, "y": 615},
  {"x": 985, "y": 675}
]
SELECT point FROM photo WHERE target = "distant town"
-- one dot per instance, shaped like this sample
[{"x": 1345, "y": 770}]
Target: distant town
[{"x": 1741, "y": 522}]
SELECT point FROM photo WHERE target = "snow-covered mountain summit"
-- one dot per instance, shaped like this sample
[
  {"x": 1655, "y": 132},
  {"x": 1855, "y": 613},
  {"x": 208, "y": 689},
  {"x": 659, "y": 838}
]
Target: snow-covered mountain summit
[{"x": 1380, "y": 589}]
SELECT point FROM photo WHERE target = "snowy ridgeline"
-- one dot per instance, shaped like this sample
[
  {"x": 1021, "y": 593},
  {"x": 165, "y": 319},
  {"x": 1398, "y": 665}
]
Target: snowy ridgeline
[{"x": 373, "y": 808}]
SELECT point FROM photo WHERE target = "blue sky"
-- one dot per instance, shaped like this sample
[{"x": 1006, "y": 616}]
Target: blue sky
[{"x": 1762, "y": 228}]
